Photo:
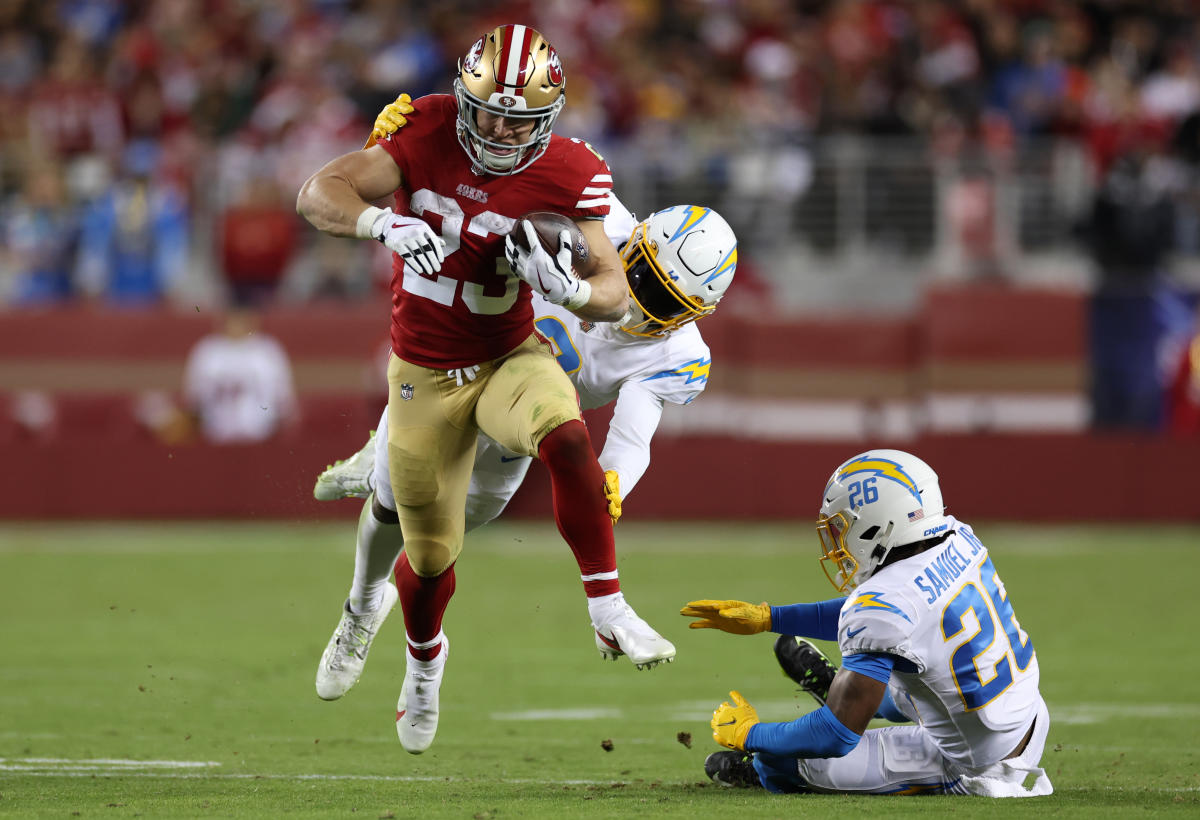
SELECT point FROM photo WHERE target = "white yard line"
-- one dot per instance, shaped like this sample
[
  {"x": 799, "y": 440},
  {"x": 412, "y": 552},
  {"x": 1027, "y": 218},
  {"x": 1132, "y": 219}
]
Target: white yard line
[
  {"x": 115, "y": 761},
  {"x": 559, "y": 714},
  {"x": 1083, "y": 713}
]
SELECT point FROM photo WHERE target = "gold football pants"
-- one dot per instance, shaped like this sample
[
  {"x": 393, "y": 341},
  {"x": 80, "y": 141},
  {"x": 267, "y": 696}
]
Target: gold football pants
[{"x": 432, "y": 424}]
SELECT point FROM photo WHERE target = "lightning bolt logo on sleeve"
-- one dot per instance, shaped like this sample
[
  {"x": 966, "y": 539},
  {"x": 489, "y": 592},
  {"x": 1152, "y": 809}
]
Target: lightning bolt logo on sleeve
[
  {"x": 693, "y": 371},
  {"x": 874, "y": 600}
]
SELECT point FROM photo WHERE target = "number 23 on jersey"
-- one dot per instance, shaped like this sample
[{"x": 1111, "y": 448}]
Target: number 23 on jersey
[{"x": 445, "y": 289}]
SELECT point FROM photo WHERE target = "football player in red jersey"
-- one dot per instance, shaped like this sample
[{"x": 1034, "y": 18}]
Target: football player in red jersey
[{"x": 465, "y": 355}]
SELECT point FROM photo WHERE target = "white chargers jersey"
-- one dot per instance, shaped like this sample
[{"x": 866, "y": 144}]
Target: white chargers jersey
[
  {"x": 965, "y": 669},
  {"x": 605, "y": 364}
]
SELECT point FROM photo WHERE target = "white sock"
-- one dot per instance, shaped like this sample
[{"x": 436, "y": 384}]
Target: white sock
[
  {"x": 378, "y": 547},
  {"x": 604, "y": 604},
  {"x": 434, "y": 662}
]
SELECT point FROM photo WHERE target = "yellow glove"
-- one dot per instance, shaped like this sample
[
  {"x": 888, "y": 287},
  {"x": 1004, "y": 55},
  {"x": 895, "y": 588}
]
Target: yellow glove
[
  {"x": 731, "y": 724},
  {"x": 612, "y": 491},
  {"x": 391, "y": 119},
  {"x": 736, "y": 617}
]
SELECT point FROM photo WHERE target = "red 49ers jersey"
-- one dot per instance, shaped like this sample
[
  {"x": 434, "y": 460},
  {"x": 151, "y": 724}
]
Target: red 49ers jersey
[{"x": 475, "y": 309}]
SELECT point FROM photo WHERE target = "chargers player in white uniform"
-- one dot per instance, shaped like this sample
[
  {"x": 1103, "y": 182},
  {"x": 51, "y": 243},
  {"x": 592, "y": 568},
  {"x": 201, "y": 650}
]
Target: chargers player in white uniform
[
  {"x": 927, "y": 633},
  {"x": 678, "y": 263}
]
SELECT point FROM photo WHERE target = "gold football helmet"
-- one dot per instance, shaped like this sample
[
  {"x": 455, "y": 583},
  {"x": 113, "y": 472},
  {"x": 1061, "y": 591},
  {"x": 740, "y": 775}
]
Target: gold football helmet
[{"x": 513, "y": 72}]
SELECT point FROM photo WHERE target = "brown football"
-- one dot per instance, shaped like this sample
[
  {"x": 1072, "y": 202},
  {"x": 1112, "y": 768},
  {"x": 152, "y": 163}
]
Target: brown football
[{"x": 548, "y": 226}]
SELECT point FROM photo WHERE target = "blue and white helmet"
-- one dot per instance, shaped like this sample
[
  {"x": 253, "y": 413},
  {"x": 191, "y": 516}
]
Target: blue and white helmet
[
  {"x": 875, "y": 502},
  {"x": 679, "y": 262}
]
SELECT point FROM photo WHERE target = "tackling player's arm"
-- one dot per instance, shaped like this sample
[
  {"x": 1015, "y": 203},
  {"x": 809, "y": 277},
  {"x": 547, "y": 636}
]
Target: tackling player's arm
[
  {"x": 604, "y": 272},
  {"x": 626, "y": 453},
  {"x": 391, "y": 119}
]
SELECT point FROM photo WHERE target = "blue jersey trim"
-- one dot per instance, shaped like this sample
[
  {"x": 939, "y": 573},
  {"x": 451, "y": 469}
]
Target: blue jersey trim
[{"x": 874, "y": 665}]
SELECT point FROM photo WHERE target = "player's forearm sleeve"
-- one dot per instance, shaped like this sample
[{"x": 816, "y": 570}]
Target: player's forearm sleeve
[
  {"x": 819, "y": 620},
  {"x": 627, "y": 446},
  {"x": 817, "y": 734}
]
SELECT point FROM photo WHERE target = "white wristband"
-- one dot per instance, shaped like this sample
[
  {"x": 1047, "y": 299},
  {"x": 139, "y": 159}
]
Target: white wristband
[
  {"x": 581, "y": 297},
  {"x": 366, "y": 221}
]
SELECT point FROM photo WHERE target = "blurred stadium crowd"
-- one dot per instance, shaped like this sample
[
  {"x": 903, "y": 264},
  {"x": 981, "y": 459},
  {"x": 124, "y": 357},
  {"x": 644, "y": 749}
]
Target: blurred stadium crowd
[{"x": 150, "y": 144}]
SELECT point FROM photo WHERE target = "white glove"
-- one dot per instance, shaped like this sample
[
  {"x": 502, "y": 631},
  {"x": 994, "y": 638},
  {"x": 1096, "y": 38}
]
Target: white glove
[
  {"x": 413, "y": 239},
  {"x": 548, "y": 275}
]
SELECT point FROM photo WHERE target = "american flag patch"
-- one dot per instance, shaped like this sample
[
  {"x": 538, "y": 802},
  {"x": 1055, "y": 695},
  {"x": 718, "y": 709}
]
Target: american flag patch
[{"x": 916, "y": 515}]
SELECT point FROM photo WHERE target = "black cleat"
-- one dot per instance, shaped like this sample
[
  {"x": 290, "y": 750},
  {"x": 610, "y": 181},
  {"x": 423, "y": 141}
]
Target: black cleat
[
  {"x": 804, "y": 664},
  {"x": 733, "y": 770}
]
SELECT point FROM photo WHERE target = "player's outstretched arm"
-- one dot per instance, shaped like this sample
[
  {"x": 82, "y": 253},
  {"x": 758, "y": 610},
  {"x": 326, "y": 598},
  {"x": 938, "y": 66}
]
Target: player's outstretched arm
[
  {"x": 818, "y": 620},
  {"x": 734, "y": 617},
  {"x": 626, "y": 452}
]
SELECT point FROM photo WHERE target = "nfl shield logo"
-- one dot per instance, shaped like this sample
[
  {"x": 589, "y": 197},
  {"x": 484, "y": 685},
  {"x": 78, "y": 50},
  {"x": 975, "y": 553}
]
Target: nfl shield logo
[{"x": 406, "y": 391}]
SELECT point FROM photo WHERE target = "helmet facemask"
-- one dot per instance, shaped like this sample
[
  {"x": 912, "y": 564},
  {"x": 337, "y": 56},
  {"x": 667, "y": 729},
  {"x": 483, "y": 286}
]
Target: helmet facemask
[{"x": 659, "y": 306}]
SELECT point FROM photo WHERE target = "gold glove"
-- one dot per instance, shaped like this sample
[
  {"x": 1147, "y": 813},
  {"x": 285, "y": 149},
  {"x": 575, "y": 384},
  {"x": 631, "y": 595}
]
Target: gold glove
[
  {"x": 391, "y": 119},
  {"x": 736, "y": 617},
  {"x": 731, "y": 723},
  {"x": 612, "y": 491}
]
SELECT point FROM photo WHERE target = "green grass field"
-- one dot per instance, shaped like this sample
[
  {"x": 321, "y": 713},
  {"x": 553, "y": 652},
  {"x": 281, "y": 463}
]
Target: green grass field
[{"x": 167, "y": 671}]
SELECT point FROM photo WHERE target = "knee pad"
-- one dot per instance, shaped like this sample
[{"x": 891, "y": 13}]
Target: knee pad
[{"x": 432, "y": 544}]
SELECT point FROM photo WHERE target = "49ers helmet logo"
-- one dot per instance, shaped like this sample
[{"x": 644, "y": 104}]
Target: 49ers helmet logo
[
  {"x": 472, "y": 58},
  {"x": 554, "y": 71}
]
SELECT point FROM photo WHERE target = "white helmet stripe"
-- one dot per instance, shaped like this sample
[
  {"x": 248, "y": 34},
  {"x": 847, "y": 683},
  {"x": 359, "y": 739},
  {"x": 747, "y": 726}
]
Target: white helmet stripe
[{"x": 512, "y": 66}]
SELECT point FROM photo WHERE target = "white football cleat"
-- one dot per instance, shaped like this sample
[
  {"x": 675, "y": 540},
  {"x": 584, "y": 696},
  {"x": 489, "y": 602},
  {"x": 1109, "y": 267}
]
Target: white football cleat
[
  {"x": 619, "y": 631},
  {"x": 346, "y": 653},
  {"x": 348, "y": 478},
  {"x": 417, "y": 708}
]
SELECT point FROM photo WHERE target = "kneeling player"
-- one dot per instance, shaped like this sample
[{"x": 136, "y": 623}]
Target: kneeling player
[{"x": 928, "y": 634}]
